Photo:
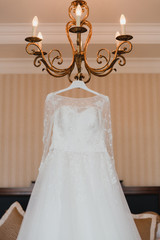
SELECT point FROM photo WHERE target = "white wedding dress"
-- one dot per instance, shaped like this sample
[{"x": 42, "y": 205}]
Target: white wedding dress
[{"x": 77, "y": 195}]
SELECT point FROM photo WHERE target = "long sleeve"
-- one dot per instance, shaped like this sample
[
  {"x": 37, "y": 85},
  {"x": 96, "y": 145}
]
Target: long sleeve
[
  {"x": 108, "y": 140},
  {"x": 108, "y": 128},
  {"x": 48, "y": 126}
]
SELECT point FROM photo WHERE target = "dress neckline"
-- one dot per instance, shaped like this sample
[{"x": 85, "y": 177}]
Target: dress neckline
[{"x": 81, "y": 98}]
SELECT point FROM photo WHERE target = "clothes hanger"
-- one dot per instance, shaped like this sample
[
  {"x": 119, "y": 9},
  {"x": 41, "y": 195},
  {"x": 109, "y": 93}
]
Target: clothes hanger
[{"x": 77, "y": 84}]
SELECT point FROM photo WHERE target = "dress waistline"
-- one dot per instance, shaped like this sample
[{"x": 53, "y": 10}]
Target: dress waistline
[{"x": 77, "y": 151}]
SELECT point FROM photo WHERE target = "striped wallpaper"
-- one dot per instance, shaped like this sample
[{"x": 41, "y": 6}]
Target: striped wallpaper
[{"x": 135, "y": 111}]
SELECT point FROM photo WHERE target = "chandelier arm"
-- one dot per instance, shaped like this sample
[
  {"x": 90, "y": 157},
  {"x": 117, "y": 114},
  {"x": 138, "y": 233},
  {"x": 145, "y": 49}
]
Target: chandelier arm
[
  {"x": 32, "y": 51},
  {"x": 126, "y": 49},
  {"x": 104, "y": 68},
  {"x": 119, "y": 51},
  {"x": 53, "y": 68},
  {"x": 55, "y": 75},
  {"x": 85, "y": 7},
  {"x": 89, "y": 76},
  {"x": 70, "y": 9},
  {"x": 37, "y": 61},
  {"x": 50, "y": 68},
  {"x": 57, "y": 72},
  {"x": 102, "y": 74},
  {"x": 101, "y": 69},
  {"x": 53, "y": 72},
  {"x": 99, "y": 56},
  {"x": 69, "y": 74},
  {"x": 130, "y": 47},
  {"x": 122, "y": 61},
  {"x": 59, "y": 56},
  {"x": 89, "y": 25},
  {"x": 69, "y": 77},
  {"x": 68, "y": 26}
]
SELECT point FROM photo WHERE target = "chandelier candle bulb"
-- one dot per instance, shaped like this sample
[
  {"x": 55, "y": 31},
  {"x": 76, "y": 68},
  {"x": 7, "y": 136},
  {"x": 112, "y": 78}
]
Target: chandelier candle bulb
[
  {"x": 117, "y": 34},
  {"x": 123, "y": 24},
  {"x": 34, "y": 26},
  {"x": 78, "y": 15},
  {"x": 41, "y": 37}
]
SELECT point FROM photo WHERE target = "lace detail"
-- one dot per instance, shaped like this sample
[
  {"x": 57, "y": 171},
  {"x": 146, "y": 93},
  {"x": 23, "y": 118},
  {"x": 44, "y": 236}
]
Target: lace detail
[
  {"x": 78, "y": 125},
  {"x": 48, "y": 124}
]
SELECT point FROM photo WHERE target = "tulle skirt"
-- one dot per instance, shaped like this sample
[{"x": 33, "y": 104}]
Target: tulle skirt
[{"x": 77, "y": 196}]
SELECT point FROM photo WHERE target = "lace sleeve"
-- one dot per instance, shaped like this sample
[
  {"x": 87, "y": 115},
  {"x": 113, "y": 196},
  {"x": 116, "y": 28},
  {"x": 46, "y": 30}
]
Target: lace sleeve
[
  {"x": 48, "y": 125},
  {"x": 108, "y": 128}
]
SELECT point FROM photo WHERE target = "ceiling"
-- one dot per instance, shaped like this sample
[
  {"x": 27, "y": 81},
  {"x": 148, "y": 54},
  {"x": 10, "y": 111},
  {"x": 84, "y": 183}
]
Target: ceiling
[
  {"x": 143, "y": 22},
  {"x": 102, "y": 11}
]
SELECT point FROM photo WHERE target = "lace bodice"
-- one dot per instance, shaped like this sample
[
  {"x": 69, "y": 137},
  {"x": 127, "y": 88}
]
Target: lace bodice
[{"x": 77, "y": 124}]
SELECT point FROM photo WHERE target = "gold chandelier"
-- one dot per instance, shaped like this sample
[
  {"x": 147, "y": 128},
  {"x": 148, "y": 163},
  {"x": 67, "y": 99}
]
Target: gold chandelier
[{"x": 79, "y": 68}]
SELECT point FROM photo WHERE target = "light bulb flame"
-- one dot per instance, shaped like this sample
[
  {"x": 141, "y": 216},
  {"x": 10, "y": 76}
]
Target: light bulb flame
[
  {"x": 117, "y": 34},
  {"x": 35, "y": 21},
  {"x": 40, "y": 35},
  {"x": 78, "y": 10},
  {"x": 122, "y": 20}
]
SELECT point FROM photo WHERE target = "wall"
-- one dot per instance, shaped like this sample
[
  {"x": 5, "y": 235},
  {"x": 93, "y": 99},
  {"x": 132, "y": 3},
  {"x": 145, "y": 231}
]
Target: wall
[{"x": 135, "y": 102}]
